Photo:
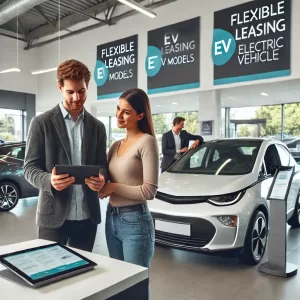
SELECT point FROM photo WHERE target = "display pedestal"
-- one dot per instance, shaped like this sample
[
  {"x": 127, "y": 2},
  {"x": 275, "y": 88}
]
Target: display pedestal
[{"x": 277, "y": 245}]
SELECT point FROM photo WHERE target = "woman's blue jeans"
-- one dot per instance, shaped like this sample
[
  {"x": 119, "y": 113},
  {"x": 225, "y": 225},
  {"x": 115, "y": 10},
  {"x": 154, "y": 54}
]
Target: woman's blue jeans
[{"x": 130, "y": 236}]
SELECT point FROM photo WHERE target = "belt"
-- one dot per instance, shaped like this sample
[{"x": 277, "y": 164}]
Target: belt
[{"x": 129, "y": 208}]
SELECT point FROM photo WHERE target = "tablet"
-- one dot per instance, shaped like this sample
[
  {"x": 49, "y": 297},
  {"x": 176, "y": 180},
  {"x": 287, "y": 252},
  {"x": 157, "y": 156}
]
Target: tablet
[
  {"x": 80, "y": 173},
  {"x": 46, "y": 264}
]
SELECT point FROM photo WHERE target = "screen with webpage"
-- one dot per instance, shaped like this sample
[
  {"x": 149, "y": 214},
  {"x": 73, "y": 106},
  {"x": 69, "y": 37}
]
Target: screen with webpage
[{"x": 44, "y": 262}]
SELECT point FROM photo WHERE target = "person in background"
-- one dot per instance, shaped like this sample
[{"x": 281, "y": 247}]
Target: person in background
[
  {"x": 176, "y": 142},
  {"x": 133, "y": 172},
  {"x": 67, "y": 135}
]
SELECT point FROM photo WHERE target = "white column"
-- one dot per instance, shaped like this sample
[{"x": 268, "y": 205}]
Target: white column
[{"x": 210, "y": 110}]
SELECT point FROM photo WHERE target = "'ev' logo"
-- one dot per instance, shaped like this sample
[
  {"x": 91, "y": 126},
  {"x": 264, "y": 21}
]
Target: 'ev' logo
[
  {"x": 223, "y": 47},
  {"x": 153, "y": 61},
  {"x": 100, "y": 73}
]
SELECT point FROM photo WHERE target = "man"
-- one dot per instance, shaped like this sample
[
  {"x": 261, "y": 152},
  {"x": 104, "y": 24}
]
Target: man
[
  {"x": 67, "y": 135},
  {"x": 176, "y": 142}
]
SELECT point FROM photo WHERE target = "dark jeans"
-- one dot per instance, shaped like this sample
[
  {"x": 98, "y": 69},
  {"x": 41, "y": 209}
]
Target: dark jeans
[{"x": 78, "y": 234}]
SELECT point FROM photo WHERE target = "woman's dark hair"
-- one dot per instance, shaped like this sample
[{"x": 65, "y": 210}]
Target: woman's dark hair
[{"x": 139, "y": 101}]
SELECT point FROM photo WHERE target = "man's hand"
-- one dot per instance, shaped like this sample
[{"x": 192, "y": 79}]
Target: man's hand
[
  {"x": 195, "y": 144},
  {"x": 95, "y": 183},
  {"x": 62, "y": 181},
  {"x": 183, "y": 150}
]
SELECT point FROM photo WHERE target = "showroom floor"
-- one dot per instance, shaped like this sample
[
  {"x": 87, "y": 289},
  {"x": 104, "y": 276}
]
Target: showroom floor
[{"x": 180, "y": 275}]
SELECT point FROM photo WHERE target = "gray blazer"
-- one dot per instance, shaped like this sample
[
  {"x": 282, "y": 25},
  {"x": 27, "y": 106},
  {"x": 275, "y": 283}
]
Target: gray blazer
[{"x": 48, "y": 145}]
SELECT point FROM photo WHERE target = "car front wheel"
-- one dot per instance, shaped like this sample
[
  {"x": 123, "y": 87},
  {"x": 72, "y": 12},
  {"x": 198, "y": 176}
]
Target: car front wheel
[
  {"x": 9, "y": 196},
  {"x": 256, "y": 240}
]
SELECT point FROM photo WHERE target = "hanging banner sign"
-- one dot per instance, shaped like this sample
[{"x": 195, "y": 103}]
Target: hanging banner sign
[
  {"x": 116, "y": 67},
  {"x": 172, "y": 61},
  {"x": 251, "y": 41}
]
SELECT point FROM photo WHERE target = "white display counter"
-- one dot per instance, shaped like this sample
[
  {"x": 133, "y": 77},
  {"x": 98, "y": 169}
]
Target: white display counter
[{"x": 111, "y": 279}]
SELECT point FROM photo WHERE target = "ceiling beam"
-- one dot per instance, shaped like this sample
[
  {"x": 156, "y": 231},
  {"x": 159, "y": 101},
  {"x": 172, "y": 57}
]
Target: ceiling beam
[
  {"x": 69, "y": 21},
  {"x": 53, "y": 24},
  {"x": 89, "y": 16},
  {"x": 41, "y": 13},
  {"x": 22, "y": 29},
  {"x": 114, "y": 19},
  {"x": 12, "y": 36}
]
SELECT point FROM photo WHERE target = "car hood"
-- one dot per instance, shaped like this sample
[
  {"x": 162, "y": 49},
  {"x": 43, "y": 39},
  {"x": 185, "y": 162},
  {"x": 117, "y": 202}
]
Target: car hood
[{"x": 203, "y": 185}]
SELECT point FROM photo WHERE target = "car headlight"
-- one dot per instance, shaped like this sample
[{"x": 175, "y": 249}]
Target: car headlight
[{"x": 227, "y": 199}]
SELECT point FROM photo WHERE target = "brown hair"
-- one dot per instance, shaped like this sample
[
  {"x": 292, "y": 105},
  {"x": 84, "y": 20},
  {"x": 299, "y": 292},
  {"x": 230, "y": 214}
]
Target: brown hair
[
  {"x": 139, "y": 101},
  {"x": 72, "y": 70},
  {"x": 178, "y": 120}
]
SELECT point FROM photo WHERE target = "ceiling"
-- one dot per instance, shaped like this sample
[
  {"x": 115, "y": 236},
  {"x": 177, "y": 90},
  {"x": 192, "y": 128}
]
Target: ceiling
[
  {"x": 243, "y": 96},
  {"x": 43, "y": 20}
]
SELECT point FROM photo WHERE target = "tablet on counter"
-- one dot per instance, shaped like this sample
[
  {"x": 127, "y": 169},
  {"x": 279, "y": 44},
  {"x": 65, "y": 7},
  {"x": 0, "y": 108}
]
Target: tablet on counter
[
  {"x": 46, "y": 264},
  {"x": 80, "y": 173}
]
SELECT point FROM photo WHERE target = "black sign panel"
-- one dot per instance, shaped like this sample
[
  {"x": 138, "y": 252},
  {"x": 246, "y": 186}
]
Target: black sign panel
[
  {"x": 172, "y": 61},
  {"x": 251, "y": 41},
  {"x": 207, "y": 128},
  {"x": 116, "y": 67}
]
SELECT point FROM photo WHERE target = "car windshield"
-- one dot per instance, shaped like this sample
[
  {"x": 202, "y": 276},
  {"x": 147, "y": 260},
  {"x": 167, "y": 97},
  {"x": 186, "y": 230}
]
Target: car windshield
[{"x": 228, "y": 157}]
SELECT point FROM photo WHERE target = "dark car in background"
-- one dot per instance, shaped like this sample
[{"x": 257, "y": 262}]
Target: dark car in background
[{"x": 13, "y": 185}]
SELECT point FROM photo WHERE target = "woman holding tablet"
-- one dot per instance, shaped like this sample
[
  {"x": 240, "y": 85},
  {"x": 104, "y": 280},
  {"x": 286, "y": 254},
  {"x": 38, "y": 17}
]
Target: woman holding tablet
[{"x": 133, "y": 170}]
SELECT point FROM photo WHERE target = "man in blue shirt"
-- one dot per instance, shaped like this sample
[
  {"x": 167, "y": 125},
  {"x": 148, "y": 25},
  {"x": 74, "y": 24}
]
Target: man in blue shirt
[{"x": 67, "y": 135}]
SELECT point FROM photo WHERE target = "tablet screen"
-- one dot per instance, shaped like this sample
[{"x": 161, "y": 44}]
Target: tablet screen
[{"x": 45, "y": 262}]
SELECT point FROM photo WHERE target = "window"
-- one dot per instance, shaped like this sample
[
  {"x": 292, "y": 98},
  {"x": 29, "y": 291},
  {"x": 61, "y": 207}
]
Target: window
[
  {"x": 218, "y": 158},
  {"x": 196, "y": 160},
  {"x": 284, "y": 155},
  {"x": 271, "y": 160},
  {"x": 18, "y": 152},
  {"x": 248, "y": 150},
  {"x": 11, "y": 125}
]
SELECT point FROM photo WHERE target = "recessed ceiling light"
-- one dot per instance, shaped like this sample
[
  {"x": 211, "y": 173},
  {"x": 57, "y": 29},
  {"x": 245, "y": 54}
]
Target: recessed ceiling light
[
  {"x": 175, "y": 103},
  {"x": 158, "y": 105},
  {"x": 264, "y": 94}
]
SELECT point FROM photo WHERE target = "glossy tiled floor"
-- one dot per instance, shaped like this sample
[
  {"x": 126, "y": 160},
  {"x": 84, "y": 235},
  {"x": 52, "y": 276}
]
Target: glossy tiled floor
[{"x": 179, "y": 275}]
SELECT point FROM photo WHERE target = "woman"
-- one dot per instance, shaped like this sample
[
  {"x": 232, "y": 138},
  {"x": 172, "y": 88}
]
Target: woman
[{"x": 133, "y": 167}]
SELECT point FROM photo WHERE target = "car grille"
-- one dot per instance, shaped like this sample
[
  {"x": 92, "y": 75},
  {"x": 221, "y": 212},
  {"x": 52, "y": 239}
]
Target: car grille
[
  {"x": 180, "y": 199},
  {"x": 202, "y": 232},
  {"x": 180, "y": 240}
]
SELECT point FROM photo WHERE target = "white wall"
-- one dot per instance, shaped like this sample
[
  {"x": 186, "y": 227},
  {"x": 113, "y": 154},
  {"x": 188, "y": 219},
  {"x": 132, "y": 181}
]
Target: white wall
[
  {"x": 83, "y": 47},
  {"x": 18, "y": 82}
]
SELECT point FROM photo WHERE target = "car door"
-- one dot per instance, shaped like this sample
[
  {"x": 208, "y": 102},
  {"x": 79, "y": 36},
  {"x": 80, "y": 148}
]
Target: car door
[{"x": 286, "y": 159}]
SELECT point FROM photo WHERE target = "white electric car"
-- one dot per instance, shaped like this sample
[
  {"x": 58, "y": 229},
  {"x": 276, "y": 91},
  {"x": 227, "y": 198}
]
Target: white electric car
[{"x": 214, "y": 198}]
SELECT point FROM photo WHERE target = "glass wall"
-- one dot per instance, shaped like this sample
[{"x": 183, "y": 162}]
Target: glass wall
[
  {"x": 12, "y": 125},
  {"x": 275, "y": 121},
  {"x": 263, "y": 121},
  {"x": 161, "y": 122},
  {"x": 281, "y": 122}
]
